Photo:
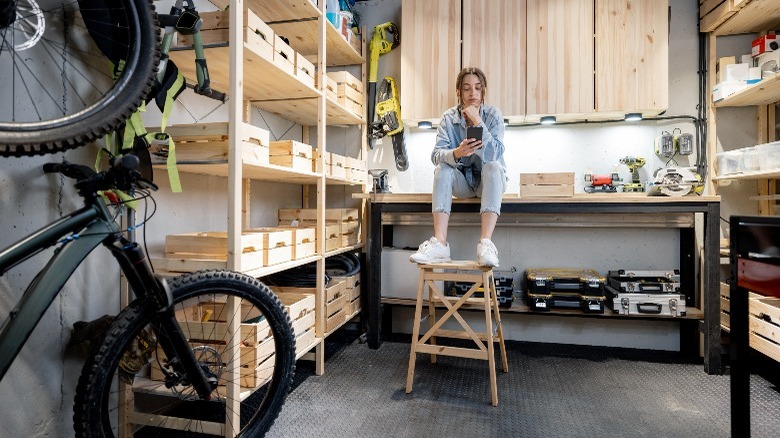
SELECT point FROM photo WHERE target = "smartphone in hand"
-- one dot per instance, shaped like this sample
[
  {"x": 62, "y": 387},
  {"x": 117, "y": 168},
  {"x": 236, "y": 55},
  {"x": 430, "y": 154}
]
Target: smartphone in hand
[{"x": 474, "y": 132}]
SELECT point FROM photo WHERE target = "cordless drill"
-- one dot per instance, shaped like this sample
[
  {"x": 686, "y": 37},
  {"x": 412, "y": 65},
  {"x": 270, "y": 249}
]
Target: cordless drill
[{"x": 633, "y": 163}]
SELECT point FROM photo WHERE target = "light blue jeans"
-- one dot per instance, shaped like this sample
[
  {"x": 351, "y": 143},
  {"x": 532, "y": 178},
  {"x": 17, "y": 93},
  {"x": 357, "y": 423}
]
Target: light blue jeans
[{"x": 449, "y": 181}]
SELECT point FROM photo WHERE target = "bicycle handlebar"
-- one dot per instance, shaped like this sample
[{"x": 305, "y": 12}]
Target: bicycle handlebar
[
  {"x": 210, "y": 92},
  {"x": 121, "y": 175}
]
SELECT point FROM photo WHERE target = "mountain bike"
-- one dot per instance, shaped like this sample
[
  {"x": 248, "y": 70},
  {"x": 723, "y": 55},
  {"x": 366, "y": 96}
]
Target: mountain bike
[
  {"x": 182, "y": 329},
  {"x": 75, "y": 70}
]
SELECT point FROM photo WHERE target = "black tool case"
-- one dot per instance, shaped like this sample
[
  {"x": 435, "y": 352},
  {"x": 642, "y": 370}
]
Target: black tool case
[
  {"x": 648, "y": 282},
  {"x": 504, "y": 281},
  {"x": 560, "y": 287}
]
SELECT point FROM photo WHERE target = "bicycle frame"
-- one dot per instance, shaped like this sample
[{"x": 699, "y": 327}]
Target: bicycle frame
[{"x": 82, "y": 231}]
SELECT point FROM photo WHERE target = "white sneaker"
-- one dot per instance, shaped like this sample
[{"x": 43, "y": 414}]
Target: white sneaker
[
  {"x": 431, "y": 251},
  {"x": 487, "y": 254}
]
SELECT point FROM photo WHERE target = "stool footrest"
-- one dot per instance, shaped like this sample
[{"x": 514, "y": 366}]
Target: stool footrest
[
  {"x": 458, "y": 334},
  {"x": 468, "y": 353},
  {"x": 456, "y": 299}
]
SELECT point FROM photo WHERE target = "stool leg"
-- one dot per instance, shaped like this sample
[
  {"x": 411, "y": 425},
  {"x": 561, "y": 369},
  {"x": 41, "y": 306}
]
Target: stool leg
[
  {"x": 431, "y": 318},
  {"x": 487, "y": 278},
  {"x": 494, "y": 300},
  {"x": 415, "y": 331}
]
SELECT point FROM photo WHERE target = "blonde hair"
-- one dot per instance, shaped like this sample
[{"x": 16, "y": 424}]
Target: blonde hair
[{"x": 470, "y": 71}]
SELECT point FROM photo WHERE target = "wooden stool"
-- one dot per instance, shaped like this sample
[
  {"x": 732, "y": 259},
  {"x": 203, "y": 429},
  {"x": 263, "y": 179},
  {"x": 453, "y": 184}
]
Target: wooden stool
[{"x": 465, "y": 271}]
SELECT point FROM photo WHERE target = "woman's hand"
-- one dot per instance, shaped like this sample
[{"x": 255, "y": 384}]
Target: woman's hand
[
  {"x": 471, "y": 114},
  {"x": 467, "y": 147}
]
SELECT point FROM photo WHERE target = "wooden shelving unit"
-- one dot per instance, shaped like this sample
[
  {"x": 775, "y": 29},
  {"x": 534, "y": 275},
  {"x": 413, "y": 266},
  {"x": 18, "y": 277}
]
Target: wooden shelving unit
[
  {"x": 250, "y": 77},
  {"x": 749, "y": 16}
]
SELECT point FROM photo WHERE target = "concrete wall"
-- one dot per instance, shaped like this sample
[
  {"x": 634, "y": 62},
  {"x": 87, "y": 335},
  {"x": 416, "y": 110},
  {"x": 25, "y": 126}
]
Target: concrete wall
[{"x": 40, "y": 385}]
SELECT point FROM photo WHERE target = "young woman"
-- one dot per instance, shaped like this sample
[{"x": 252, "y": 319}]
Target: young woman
[{"x": 467, "y": 167}]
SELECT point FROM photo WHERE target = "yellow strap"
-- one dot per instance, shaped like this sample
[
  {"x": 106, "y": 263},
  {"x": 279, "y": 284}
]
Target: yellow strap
[
  {"x": 173, "y": 171},
  {"x": 169, "y": 100}
]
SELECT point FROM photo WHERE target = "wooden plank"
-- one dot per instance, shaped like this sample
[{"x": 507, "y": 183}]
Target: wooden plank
[
  {"x": 707, "y": 6},
  {"x": 546, "y": 190},
  {"x": 632, "y": 55},
  {"x": 560, "y": 57},
  {"x": 346, "y": 78},
  {"x": 335, "y": 320},
  {"x": 451, "y": 351},
  {"x": 764, "y": 346},
  {"x": 633, "y": 198},
  {"x": 547, "y": 178},
  {"x": 751, "y": 17},
  {"x": 304, "y": 39},
  {"x": 765, "y": 330},
  {"x": 429, "y": 66},
  {"x": 494, "y": 39},
  {"x": 291, "y": 147},
  {"x": 304, "y": 323},
  {"x": 176, "y": 423},
  {"x": 765, "y": 92},
  {"x": 717, "y": 16},
  {"x": 310, "y": 214},
  {"x": 279, "y": 10}
]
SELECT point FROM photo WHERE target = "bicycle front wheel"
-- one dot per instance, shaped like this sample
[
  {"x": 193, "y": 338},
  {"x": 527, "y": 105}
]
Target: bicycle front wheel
[
  {"x": 130, "y": 388},
  {"x": 72, "y": 70}
]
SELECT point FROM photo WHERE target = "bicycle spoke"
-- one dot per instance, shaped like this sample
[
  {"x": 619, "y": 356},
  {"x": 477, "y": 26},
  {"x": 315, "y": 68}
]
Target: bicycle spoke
[{"x": 40, "y": 84}]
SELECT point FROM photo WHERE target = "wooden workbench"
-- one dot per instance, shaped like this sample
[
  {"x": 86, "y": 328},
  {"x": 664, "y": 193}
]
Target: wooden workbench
[{"x": 581, "y": 210}]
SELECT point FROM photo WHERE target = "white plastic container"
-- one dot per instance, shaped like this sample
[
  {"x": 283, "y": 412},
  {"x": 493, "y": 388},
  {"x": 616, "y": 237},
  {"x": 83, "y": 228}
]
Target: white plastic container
[
  {"x": 729, "y": 163},
  {"x": 769, "y": 155},
  {"x": 750, "y": 159}
]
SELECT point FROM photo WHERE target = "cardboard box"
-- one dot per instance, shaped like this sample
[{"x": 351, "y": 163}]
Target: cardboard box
[
  {"x": 725, "y": 89},
  {"x": 720, "y": 67},
  {"x": 765, "y": 43},
  {"x": 737, "y": 72}
]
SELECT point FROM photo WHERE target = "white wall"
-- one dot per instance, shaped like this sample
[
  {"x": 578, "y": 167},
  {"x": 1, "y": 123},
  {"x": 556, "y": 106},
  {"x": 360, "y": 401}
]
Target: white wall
[{"x": 40, "y": 385}]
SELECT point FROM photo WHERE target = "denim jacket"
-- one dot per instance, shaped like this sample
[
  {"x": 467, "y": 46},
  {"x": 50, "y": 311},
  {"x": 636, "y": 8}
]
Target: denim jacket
[{"x": 452, "y": 130}]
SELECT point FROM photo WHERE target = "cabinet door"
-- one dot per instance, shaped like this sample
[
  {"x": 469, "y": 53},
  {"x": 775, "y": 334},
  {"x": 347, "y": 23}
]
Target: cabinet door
[
  {"x": 494, "y": 39},
  {"x": 560, "y": 57},
  {"x": 632, "y": 55},
  {"x": 430, "y": 57}
]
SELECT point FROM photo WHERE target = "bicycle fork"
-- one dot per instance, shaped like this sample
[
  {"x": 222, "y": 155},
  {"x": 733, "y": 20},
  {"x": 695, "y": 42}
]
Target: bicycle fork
[{"x": 154, "y": 290}]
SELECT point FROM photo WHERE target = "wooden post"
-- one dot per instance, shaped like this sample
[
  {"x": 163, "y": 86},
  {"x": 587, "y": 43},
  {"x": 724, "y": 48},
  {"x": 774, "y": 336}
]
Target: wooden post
[
  {"x": 237, "y": 111},
  {"x": 321, "y": 187},
  {"x": 712, "y": 131}
]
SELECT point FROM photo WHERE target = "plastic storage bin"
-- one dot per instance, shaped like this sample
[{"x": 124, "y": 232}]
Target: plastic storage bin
[
  {"x": 769, "y": 155},
  {"x": 729, "y": 163},
  {"x": 750, "y": 159}
]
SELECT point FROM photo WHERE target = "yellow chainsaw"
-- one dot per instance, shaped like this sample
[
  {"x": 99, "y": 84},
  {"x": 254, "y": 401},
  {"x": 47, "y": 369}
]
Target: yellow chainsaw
[{"x": 386, "y": 106}]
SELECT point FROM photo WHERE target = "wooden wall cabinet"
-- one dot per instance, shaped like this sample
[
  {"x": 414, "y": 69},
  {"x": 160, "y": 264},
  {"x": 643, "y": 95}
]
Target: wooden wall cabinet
[
  {"x": 430, "y": 57},
  {"x": 632, "y": 55},
  {"x": 494, "y": 39},
  {"x": 560, "y": 57}
]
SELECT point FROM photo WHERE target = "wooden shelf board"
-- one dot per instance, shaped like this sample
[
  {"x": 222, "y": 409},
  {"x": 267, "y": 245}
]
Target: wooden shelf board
[
  {"x": 763, "y": 93},
  {"x": 268, "y": 270},
  {"x": 332, "y": 180},
  {"x": 281, "y": 10},
  {"x": 273, "y": 83},
  {"x": 759, "y": 174},
  {"x": 144, "y": 385},
  {"x": 305, "y": 111},
  {"x": 522, "y": 307},
  {"x": 308, "y": 348},
  {"x": 264, "y": 172},
  {"x": 595, "y": 198},
  {"x": 304, "y": 39},
  {"x": 755, "y": 16},
  {"x": 342, "y": 250}
]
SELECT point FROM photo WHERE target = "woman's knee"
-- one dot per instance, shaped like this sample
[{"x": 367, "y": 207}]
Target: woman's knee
[{"x": 443, "y": 172}]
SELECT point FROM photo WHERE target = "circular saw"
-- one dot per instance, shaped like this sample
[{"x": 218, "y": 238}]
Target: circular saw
[{"x": 676, "y": 181}]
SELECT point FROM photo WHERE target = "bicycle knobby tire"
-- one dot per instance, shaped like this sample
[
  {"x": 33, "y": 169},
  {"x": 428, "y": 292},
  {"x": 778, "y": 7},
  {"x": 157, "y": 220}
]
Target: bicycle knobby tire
[
  {"x": 101, "y": 116},
  {"x": 97, "y": 401}
]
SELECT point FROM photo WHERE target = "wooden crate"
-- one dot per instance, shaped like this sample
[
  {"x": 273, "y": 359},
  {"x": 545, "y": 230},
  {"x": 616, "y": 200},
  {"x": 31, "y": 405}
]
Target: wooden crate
[
  {"x": 346, "y": 78},
  {"x": 764, "y": 326},
  {"x": 310, "y": 214},
  {"x": 353, "y": 307},
  {"x": 329, "y": 87},
  {"x": 332, "y": 289},
  {"x": 304, "y": 241},
  {"x": 284, "y": 56},
  {"x": 713, "y": 13},
  {"x": 291, "y": 153},
  {"x": 304, "y": 70},
  {"x": 209, "y": 142},
  {"x": 337, "y": 303},
  {"x": 543, "y": 185},
  {"x": 258, "y": 36},
  {"x": 335, "y": 320},
  {"x": 304, "y": 341}
]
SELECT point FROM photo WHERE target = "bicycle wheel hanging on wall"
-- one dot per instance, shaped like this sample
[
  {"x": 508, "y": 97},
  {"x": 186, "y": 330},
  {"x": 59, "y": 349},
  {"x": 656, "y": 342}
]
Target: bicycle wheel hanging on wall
[{"x": 72, "y": 70}]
